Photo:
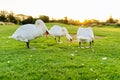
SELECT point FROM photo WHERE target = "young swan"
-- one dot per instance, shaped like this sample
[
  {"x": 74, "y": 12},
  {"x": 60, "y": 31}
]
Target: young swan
[
  {"x": 28, "y": 32},
  {"x": 58, "y": 31},
  {"x": 85, "y": 35}
]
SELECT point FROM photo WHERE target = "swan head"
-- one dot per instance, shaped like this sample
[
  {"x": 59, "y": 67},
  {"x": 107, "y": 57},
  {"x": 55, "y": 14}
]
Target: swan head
[
  {"x": 69, "y": 37},
  {"x": 47, "y": 33},
  {"x": 67, "y": 34},
  {"x": 42, "y": 25}
]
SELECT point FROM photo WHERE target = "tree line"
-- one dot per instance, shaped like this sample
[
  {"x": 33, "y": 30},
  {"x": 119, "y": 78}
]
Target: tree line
[{"x": 10, "y": 17}]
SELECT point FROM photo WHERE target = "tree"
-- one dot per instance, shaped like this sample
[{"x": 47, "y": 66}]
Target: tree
[
  {"x": 11, "y": 18},
  {"x": 30, "y": 19},
  {"x": 44, "y": 18},
  {"x": 65, "y": 20},
  {"x": 110, "y": 20},
  {"x": 86, "y": 22},
  {"x": 71, "y": 21},
  {"x": 3, "y": 15}
]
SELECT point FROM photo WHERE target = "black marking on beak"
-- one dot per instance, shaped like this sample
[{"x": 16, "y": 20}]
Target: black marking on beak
[
  {"x": 70, "y": 40},
  {"x": 47, "y": 32}
]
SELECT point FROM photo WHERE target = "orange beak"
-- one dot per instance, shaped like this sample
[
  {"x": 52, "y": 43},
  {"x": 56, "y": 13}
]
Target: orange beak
[{"x": 47, "y": 33}]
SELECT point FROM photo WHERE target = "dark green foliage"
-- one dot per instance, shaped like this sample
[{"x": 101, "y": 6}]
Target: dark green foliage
[
  {"x": 11, "y": 18},
  {"x": 29, "y": 20},
  {"x": 111, "y": 20},
  {"x": 3, "y": 16},
  {"x": 44, "y": 18}
]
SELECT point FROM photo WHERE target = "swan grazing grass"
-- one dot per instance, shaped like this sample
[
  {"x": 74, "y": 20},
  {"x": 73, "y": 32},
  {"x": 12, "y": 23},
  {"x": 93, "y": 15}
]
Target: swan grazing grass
[
  {"x": 28, "y": 32},
  {"x": 58, "y": 31}
]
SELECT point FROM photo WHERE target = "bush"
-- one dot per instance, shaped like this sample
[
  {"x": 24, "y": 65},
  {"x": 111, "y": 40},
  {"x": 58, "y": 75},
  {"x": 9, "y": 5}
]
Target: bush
[
  {"x": 118, "y": 25},
  {"x": 30, "y": 19},
  {"x": 44, "y": 18}
]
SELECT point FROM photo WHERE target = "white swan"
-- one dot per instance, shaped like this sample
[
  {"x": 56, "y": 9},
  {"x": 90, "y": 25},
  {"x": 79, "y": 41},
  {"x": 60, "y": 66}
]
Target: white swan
[
  {"x": 28, "y": 32},
  {"x": 58, "y": 31},
  {"x": 85, "y": 35}
]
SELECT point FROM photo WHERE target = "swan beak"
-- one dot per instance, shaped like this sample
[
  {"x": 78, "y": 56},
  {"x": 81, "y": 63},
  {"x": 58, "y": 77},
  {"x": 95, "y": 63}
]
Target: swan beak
[
  {"x": 47, "y": 33},
  {"x": 70, "y": 40}
]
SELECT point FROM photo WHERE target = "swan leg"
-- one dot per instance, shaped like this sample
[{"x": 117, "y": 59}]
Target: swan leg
[
  {"x": 90, "y": 44},
  {"x": 80, "y": 44},
  {"x": 59, "y": 39},
  {"x": 27, "y": 43},
  {"x": 55, "y": 39}
]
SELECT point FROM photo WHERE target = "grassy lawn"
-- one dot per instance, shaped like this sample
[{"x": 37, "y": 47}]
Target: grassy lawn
[{"x": 65, "y": 61}]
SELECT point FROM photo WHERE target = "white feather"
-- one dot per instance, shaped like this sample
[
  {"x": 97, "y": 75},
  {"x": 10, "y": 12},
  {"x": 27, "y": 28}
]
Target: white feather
[
  {"x": 85, "y": 34},
  {"x": 58, "y": 31},
  {"x": 29, "y": 32}
]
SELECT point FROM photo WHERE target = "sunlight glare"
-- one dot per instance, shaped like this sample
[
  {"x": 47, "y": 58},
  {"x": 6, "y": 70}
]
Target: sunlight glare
[{"x": 75, "y": 9}]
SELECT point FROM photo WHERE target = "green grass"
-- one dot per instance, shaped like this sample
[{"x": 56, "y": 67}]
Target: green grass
[{"x": 65, "y": 61}]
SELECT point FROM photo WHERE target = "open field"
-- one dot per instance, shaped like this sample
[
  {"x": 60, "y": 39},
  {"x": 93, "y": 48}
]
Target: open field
[{"x": 65, "y": 61}]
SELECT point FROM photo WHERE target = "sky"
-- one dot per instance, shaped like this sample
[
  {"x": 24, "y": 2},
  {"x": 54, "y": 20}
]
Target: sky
[{"x": 73, "y": 9}]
